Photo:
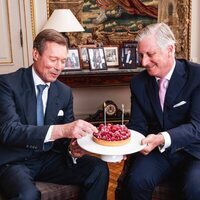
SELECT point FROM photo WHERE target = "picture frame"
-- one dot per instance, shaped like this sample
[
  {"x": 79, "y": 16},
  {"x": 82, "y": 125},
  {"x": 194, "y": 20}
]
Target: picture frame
[
  {"x": 84, "y": 57},
  {"x": 97, "y": 59},
  {"x": 111, "y": 55},
  {"x": 128, "y": 58},
  {"x": 72, "y": 60},
  {"x": 132, "y": 44}
]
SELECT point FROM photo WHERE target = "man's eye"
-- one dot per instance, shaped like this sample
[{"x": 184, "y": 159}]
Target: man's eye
[
  {"x": 53, "y": 59},
  {"x": 150, "y": 54},
  {"x": 63, "y": 61}
]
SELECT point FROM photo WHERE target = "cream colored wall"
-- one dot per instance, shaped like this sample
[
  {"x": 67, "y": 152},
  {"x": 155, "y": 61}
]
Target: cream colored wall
[
  {"x": 40, "y": 14},
  {"x": 88, "y": 100}
]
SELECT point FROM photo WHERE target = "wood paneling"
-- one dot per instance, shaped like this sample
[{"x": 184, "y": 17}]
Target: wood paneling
[
  {"x": 115, "y": 170},
  {"x": 110, "y": 77}
]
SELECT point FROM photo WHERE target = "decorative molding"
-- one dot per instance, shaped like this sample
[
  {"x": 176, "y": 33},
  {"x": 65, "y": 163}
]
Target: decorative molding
[
  {"x": 47, "y": 2},
  {"x": 184, "y": 10},
  {"x": 177, "y": 14},
  {"x": 32, "y": 8},
  {"x": 6, "y": 56}
]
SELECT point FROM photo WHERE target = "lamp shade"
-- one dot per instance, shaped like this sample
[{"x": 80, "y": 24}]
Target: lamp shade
[{"x": 63, "y": 20}]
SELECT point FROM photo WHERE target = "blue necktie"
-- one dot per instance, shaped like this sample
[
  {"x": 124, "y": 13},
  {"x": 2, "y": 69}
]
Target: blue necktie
[{"x": 40, "y": 112}]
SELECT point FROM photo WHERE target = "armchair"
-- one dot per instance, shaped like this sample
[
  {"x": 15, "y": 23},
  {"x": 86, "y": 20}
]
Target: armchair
[{"x": 50, "y": 191}]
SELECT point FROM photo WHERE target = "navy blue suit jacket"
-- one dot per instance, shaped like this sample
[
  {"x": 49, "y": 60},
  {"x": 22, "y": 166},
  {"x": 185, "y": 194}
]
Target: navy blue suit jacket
[
  {"x": 19, "y": 135},
  {"x": 181, "y": 115}
]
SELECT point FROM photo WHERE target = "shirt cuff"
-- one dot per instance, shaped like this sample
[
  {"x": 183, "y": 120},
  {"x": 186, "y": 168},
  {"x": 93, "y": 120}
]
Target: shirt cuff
[
  {"x": 48, "y": 135},
  {"x": 167, "y": 142}
]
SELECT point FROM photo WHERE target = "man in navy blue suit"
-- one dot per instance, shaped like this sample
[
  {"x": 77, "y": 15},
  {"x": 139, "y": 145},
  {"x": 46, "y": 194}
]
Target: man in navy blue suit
[
  {"x": 172, "y": 131},
  {"x": 49, "y": 152}
]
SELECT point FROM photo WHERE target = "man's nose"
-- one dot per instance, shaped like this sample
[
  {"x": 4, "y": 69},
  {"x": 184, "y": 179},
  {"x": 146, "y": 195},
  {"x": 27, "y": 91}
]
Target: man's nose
[
  {"x": 60, "y": 65},
  {"x": 144, "y": 60}
]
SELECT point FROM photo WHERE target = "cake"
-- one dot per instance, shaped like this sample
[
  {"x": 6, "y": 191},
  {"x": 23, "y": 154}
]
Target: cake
[{"x": 112, "y": 135}]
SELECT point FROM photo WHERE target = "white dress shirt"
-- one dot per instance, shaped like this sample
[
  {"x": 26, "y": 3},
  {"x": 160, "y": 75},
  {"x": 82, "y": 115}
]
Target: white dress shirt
[{"x": 37, "y": 80}]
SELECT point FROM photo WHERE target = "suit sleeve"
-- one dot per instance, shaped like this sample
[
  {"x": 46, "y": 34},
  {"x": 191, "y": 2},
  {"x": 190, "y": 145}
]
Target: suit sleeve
[
  {"x": 137, "y": 119},
  {"x": 187, "y": 134},
  {"x": 68, "y": 113},
  {"x": 12, "y": 131}
]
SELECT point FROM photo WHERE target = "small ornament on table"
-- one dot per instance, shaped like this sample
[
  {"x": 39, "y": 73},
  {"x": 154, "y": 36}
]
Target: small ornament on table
[
  {"x": 122, "y": 114},
  {"x": 104, "y": 105}
]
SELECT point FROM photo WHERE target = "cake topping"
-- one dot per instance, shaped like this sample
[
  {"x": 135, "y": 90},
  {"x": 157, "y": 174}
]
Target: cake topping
[{"x": 111, "y": 132}]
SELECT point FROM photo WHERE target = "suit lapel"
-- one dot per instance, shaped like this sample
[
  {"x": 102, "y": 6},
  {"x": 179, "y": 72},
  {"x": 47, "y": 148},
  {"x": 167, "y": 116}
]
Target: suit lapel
[
  {"x": 176, "y": 84},
  {"x": 152, "y": 91},
  {"x": 29, "y": 97},
  {"x": 52, "y": 104},
  {"x": 29, "y": 101}
]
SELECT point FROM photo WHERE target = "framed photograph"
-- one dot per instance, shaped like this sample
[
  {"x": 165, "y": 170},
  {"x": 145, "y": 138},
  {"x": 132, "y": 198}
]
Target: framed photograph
[
  {"x": 72, "y": 60},
  {"x": 130, "y": 44},
  {"x": 128, "y": 59},
  {"x": 97, "y": 59},
  {"x": 84, "y": 57},
  {"x": 111, "y": 56}
]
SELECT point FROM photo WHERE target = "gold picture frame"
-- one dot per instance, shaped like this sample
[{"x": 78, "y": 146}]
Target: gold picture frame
[
  {"x": 84, "y": 57},
  {"x": 72, "y": 60},
  {"x": 177, "y": 14},
  {"x": 112, "y": 55}
]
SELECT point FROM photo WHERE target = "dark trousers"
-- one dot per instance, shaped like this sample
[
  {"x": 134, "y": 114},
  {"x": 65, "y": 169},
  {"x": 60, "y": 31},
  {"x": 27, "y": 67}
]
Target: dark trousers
[
  {"x": 146, "y": 172},
  {"x": 17, "y": 180}
]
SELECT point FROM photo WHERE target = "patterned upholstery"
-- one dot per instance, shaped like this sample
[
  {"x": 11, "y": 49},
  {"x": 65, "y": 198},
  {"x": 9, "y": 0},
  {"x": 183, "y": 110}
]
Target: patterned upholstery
[
  {"x": 52, "y": 191},
  {"x": 165, "y": 191}
]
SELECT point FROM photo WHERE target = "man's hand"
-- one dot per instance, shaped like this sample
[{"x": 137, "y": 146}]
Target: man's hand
[
  {"x": 76, "y": 129},
  {"x": 152, "y": 141},
  {"x": 76, "y": 150}
]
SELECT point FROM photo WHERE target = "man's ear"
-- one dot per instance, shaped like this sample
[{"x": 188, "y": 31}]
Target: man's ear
[
  {"x": 171, "y": 49},
  {"x": 35, "y": 54}
]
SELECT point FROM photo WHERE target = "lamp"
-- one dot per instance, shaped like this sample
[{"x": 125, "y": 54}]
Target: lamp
[{"x": 63, "y": 20}]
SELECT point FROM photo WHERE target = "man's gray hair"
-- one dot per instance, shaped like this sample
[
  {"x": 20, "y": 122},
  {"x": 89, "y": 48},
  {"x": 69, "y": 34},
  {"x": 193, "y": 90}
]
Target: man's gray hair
[{"x": 162, "y": 32}]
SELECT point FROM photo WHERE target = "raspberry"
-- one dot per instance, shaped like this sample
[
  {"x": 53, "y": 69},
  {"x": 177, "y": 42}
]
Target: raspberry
[{"x": 112, "y": 132}]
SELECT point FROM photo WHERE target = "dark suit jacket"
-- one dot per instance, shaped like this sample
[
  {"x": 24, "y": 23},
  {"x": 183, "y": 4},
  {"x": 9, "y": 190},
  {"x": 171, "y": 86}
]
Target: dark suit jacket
[
  {"x": 182, "y": 122},
  {"x": 19, "y": 135}
]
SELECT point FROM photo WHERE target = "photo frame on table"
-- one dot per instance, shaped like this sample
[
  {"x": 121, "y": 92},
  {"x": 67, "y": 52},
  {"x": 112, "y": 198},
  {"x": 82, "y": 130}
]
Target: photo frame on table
[
  {"x": 111, "y": 55},
  {"x": 72, "y": 60},
  {"x": 132, "y": 44},
  {"x": 84, "y": 57},
  {"x": 128, "y": 58},
  {"x": 97, "y": 59}
]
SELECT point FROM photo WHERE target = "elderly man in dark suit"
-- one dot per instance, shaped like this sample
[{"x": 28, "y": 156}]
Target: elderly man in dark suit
[
  {"x": 165, "y": 108},
  {"x": 34, "y": 147}
]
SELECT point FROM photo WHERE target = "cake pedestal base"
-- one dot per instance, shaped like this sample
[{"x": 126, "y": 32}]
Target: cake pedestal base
[{"x": 112, "y": 158}]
